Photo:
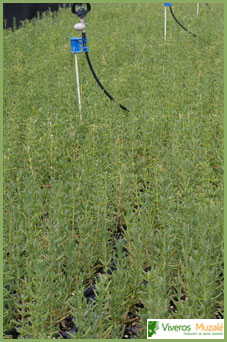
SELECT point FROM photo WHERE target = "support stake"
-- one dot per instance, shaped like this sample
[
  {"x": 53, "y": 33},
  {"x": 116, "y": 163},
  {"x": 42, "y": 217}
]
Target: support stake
[
  {"x": 166, "y": 4},
  {"x": 197, "y": 9},
  {"x": 165, "y": 20},
  {"x": 78, "y": 86}
]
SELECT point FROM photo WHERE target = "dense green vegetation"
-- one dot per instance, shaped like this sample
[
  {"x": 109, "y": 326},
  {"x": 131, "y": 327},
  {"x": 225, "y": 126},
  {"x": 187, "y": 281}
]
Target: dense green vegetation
[{"x": 151, "y": 180}]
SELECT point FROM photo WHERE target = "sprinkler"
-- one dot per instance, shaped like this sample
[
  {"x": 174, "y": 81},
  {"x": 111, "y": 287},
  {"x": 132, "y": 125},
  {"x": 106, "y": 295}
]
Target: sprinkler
[{"x": 79, "y": 45}]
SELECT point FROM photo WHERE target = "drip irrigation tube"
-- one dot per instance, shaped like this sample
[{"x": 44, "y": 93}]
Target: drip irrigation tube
[
  {"x": 96, "y": 77},
  {"x": 100, "y": 84},
  {"x": 183, "y": 27}
]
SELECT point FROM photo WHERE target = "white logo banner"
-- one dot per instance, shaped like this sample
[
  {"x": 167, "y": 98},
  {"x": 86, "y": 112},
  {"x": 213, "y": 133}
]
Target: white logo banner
[{"x": 185, "y": 329}]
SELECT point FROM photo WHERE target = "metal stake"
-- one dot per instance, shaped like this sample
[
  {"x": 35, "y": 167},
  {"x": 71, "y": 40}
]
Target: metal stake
[
  {"x": 78, "y": 86},
  {"x": 166, "y": 4},
  {"x": 197, "y": 9},
  {"x": 165, "y": 21}
]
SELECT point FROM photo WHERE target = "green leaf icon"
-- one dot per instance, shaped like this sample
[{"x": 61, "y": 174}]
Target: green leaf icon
[{"x": 153, "y": 326}]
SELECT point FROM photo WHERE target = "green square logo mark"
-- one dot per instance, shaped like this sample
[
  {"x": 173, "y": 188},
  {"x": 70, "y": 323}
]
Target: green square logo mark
[{"x": 153, "y": 326}]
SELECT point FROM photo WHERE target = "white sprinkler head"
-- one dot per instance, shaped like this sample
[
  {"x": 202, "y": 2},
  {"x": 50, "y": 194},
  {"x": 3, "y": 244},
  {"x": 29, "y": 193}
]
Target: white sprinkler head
[{"x": 79, "y": 27}]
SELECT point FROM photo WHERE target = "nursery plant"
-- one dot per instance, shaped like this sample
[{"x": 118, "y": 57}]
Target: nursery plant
[{"x": 117, "y": 218}]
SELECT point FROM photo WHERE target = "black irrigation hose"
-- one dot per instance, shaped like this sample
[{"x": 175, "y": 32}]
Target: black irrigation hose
[
  {"x": 97, "y": 80},
  {"x": 184, "y": 28}
]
